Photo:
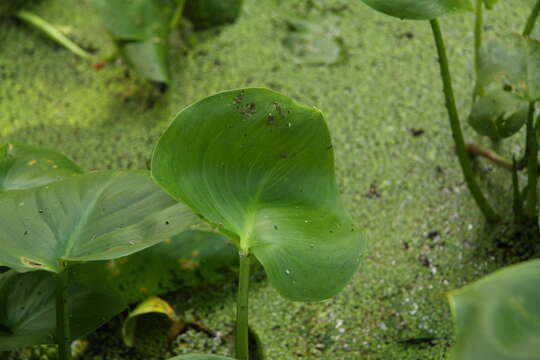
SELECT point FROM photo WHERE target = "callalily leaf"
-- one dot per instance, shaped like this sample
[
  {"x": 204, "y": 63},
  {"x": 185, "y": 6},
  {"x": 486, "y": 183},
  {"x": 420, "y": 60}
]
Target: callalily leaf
[
  {"x": 499, "y": 115},
  {"x": 96, "y": 216},
  {"x": 419, "y": 9},
  {"x": 513, "y": 62},
  {"x": 498, "y": 317},
  {"x": 261, "y": 167},
  {"x": 27, "y": 307},
  {"x": 23, "y": 167}
]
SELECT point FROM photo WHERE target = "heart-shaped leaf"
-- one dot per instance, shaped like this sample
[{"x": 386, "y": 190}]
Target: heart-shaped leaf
[
  {"x": 261, "y": 167},
  {"x": 513, "y": 62},
  {"x": 498, "y": 317},
  {"x": 141, "y": 30},
  {"x": 498, "y": 115},
  {"x": 96, "y": 216},
  {"x": 27, "y": 307},
  {"x": 190, "y": 259},
  {"x": 419, "y": 9},
  {"x": 200, "y": 357},
  {"x": 24, "y": 166}
]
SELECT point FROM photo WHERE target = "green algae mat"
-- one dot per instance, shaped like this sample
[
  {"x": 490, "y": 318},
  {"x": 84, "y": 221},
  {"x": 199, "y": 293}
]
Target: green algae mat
[{"x": 396, "y": 167}]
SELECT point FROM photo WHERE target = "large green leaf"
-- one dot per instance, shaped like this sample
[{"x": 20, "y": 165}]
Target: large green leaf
[
  {"x": 193, "y": 258},
  {"x": 141, "y": 30},
  {"x": 512, "y": 61},
  {"x": 498, "y": 317},
  {"x": 261, "y": 167},
  {"x": 24, "y": 166},
  {"x": 200, "y": 357},
  {"x": 419, "y": 9},
  {"x": 27, "y": 307},
  {"x": 498, "y": 115},
  {"x": 96, "y": 216}
]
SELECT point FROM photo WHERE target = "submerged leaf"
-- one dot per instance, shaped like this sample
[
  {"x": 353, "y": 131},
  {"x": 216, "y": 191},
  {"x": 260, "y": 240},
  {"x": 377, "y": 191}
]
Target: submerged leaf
[
  {"x": 419, "y": 9},
  {"x": 312, "y": 43},
  {"x": 96, "y": 216},
  {"x": 498, "y": 317},
  {"x": 261, "y": 167},
  {"x": 498, "y": 115},
  {"x": 512, "y": 62},
  {"x": 24, "y": 166},
  {"x": 27, "y": 307}
]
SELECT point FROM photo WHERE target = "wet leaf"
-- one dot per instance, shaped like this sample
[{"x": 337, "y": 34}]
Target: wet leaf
[
  {"x": 261, "y": 167},
  {"x": 512, "y": 62},
  {"x": 205, "y": 14},
  {"x": 419, "y": 9},
  {"x": 190, "y": 259},
  {"x": 24, "y": 166},
  {"x": 96, "y": 216},
  {"x": 498, "y": 317},
  {"x": 498, "y": 115},
  {"x": 313, "y": 43},
  {"x": 151, "y": 326},
  {"x": 27, "y": 307}
]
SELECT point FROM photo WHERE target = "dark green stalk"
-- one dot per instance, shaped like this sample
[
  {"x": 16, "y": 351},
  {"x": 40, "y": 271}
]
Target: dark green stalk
[
  {"x": 531, "y": 21},
  {"x": 177, "y": 14},
  {"x": 63, "y": 335},
  {"x": 52, "y": 32},
  {"x": 532, "y": 164},
  {"x": 242, "y": 348},
  {"x": 453, "y": 116},
  {"x": 478, "y": 30}
]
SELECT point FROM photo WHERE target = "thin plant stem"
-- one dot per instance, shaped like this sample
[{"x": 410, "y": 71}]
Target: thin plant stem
[
  {"x": 532, "y": 164},
  {"x": 177, "y": 14},
  {"x": 242, "y": 346},
  {"x": 478, "y": 31},
  {"x": 63, "y": 333},
  {"x": 52, "y": 32},
  {"x": 453, "y": 116},
  {"x": 531, "y": 21},
  {"x": 489, "y": 154},
  {"x": 518, "y": 203}
]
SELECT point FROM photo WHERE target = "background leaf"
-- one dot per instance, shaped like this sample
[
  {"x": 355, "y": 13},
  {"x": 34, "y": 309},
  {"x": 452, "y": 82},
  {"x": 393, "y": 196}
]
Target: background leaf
[
  {"x": 208, "y": 13},
  {"x": 498, "y": 317},
  {"x": 27, "y": 307},
  {"x": 200, "y": 357},
  {"x": 419, "y": 9},
  {"x": 498, "y": 115},
  {"x": 261, "y": 167},
  {"x": 24, "y": 166},
  {"x": 96, "y": 216}
]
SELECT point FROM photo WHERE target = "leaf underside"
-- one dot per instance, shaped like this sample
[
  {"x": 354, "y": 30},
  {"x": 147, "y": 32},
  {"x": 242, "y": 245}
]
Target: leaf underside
[
  {"x": 419, "y": 9},
  {"x": 261, "y": 167}
]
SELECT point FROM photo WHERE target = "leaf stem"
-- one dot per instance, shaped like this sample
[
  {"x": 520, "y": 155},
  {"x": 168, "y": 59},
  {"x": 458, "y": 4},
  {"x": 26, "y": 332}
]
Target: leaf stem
[
  {"x": 63, "y": 336},
  {"x": 531, "y": 21},
  {"x": 532, "y": 164},
  {"x": 518, "y": 203},
  {"x": 478, "y": 30},
  {"x": 177, "y": 14},
  {"x": 478, "y": 150},
  {"x": 453, "y": 116},
  {"x": 242, "y": 347},
  {"x": 52, "y": 32}
]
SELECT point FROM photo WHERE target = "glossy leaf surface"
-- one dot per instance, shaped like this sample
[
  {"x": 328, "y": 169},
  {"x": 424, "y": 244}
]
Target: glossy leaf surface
[
  {"x": 498, "y": 115},
  {"x": 27, "y": 307},
  {"x": 96, "y": 216},
  {"x": 513, "y": 62},
  {"x": 200, "y": 357},
  {"x": 498, "y": 317},
  {"x": 419, "y": 9},
  {"x": 261, "y": 167},
  {"x": 24, "y": 166},
  {"x": 190, "y": 259}
]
